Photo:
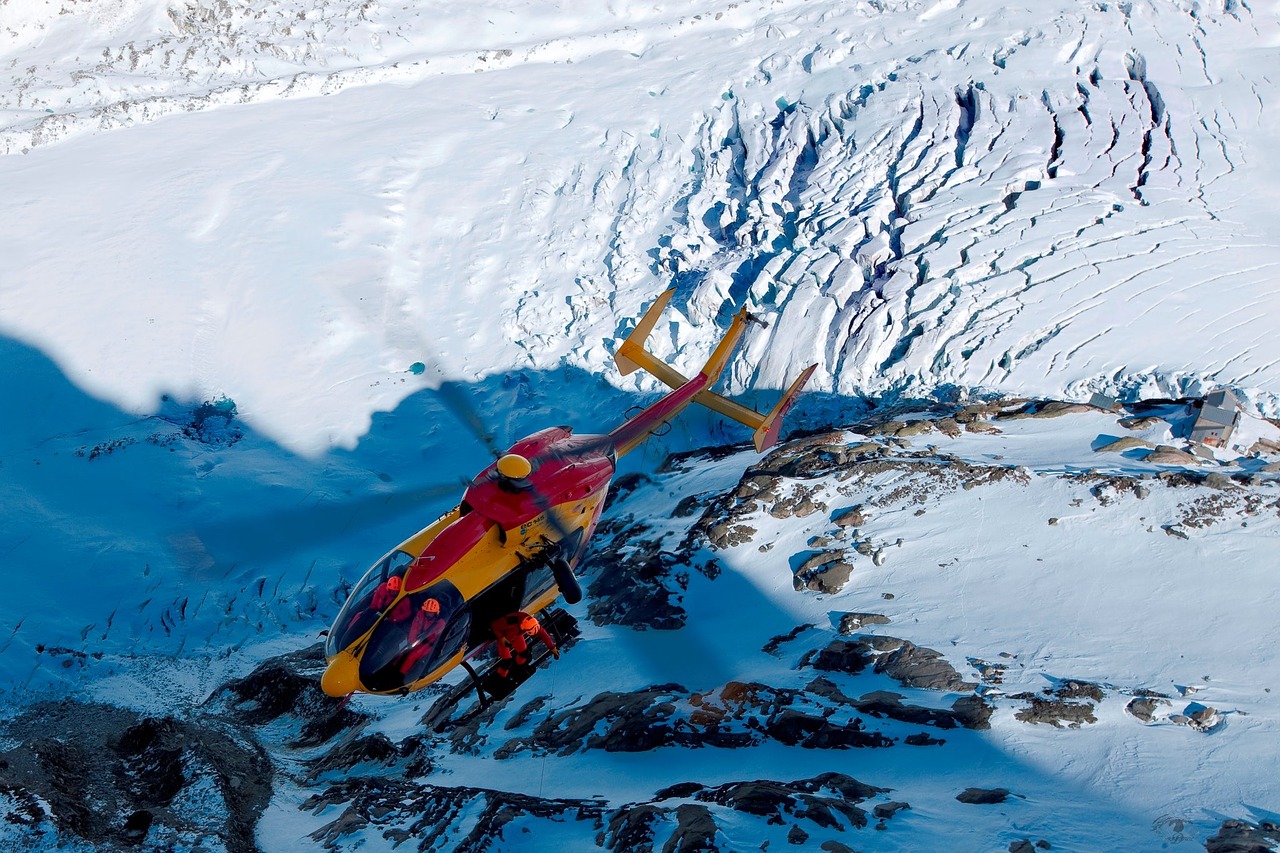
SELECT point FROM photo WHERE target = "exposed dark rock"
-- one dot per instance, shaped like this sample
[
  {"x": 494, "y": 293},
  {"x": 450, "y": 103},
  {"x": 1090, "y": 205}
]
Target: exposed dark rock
[
  {"x": 1128, "y": 442},
  {"x": 968, "y": 711},
  {"x": 972, "y": 713},
  {"x": 347, "y": 754},
  {"x": 1071, "y": 689},
  {"x": 695, "y": 831},
  {"x": 920, "y": 427},
  {"x": 1165, "y": 454},
  {"x": 851, "y": 623},
  {"x": 902, "y": 660},
  {"x": 776, "y": 643},
  {"x": 111, "y": 777},
  {"x": 983, "y": 796},
  {"x": 1056, "y": 712},
  {"x": 1139, "y": 422},
  {"x": 888, "y": 810},
  {"x": 1143, "y": 708},
  {"x": 818, "y": 799},
  {"x": 833, "y": 846},
  {"x": 1238, "y": 836},
  {"x": 623, "y": 485},
  {"x": 287, "y": 685},
  {"x": 1218, "y": 480},
  {"x": 916, "y": 666},
  {"x": 852, "y": 517},
  {"x": 632, "y": 828},
  {"x": 1044, "y": 409},
  {"x": 687, "y": 506},
  {"x": 848, "y": 656},
  {"x": 799, "y": 504},
  {"x": 385, "y": 803},
  {"x": 795, "y": 728},
  {"x": 636, "y": 584},
  {"x": 923, "y": 739},
  {"x": 826, "y": 571}
]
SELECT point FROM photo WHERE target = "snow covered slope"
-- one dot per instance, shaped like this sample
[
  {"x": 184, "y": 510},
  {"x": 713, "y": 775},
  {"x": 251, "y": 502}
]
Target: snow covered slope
[{"x": 240, "y": 244}]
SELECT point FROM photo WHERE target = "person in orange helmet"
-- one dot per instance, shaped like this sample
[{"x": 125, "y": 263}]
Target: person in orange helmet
[
  {"x": 385, "y": 594},
  {"x": 513, "y": 632},
  {"x": 424, "y": 631}
]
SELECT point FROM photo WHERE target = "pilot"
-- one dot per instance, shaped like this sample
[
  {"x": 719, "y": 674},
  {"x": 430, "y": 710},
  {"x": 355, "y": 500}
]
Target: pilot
[
  {"x": 385, "y": 594},
  {"x": 424, "y": 631},
  {"x": 513, "y": 632}
]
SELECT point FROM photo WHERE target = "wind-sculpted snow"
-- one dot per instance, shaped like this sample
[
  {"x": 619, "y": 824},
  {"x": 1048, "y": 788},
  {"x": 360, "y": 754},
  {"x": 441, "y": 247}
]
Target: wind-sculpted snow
[{"x": 1040, "y": 201}]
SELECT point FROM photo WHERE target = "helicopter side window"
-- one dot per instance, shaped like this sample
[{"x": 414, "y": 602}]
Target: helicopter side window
[
  {"x": 369, "y": 598},
  {"x": 538, "y": 581}
]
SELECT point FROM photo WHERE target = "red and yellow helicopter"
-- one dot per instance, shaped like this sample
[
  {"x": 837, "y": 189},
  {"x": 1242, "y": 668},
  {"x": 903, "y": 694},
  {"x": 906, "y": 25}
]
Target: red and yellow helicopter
[{"x": 513, "y": 541}]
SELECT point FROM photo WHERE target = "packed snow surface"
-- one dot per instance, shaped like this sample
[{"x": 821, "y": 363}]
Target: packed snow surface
[{"x": 241, "y": 243}]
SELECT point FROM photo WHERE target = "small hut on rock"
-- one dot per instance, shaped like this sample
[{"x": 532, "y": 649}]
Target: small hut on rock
[{"x": 1218, "y": 418}]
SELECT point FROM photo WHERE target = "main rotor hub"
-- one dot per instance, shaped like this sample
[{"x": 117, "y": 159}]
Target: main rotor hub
[{"x": 513, "y": 466}]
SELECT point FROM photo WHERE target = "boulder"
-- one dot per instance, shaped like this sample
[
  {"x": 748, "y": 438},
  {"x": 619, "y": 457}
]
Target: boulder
[
  {"x": 1128, "y": 442},
  {"x": 1165, "y": 454}
]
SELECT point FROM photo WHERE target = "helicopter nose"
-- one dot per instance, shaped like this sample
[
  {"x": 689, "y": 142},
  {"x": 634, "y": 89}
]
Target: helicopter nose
[{"x": 342, "y": 677}]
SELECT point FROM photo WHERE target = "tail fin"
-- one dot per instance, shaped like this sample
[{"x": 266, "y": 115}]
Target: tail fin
[{"x": 632, "y": 355}]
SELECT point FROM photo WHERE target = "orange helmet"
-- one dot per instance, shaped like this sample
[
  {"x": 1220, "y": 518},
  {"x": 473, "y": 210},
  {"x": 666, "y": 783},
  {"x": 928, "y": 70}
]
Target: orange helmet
[
  {"x": 431, "y": 606},
  {"x": 528, "y": 624},
  {"x": 393, "y": 583}
]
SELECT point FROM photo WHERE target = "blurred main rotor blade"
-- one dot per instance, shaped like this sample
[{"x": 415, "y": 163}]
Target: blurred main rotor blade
[
  {"x": 459, "y": 402},
  {"x": 211, "y": 549}
]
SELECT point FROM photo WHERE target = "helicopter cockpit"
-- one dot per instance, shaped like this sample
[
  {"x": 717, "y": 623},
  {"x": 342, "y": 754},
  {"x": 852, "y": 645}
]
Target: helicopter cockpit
[{"x": 433, "y": 627}]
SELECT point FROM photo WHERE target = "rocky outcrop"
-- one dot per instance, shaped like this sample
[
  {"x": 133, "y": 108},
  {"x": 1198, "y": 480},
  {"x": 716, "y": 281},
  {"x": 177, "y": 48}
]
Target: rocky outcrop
[
  {"x": 1128, "y": 442},
  {"x": 402, "y": 810},
  {"x": 983, "y": 796},
  {"x": 116, "y": 779},
  {"x": 1239, "y": 836},
  {"x": 738, "y": 714},
  {"x": 908, "y": 664},
  {"x": 1061, "y": 706}
]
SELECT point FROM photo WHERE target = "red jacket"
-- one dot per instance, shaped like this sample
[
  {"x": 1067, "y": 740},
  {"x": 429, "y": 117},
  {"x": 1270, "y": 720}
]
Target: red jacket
[{"x": 511, "y": 632}]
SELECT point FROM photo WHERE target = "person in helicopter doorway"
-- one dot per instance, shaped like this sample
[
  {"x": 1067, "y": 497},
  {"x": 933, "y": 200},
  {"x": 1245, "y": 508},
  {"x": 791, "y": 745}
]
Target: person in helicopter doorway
[
  {"x": 513, "y": 632},
  {"x": 424, "y": 631}
]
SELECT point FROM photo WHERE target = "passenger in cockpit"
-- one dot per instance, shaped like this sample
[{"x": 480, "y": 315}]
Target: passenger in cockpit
[{"x": 423, "y": 634}]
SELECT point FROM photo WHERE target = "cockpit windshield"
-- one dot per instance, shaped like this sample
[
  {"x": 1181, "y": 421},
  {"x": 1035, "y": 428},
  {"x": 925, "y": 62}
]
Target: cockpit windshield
[
  {"x": 378, "y": 588},
  {"x": 404, "y": 648}
]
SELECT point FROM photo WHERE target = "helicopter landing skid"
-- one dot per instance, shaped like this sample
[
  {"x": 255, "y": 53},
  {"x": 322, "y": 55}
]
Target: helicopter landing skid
[{"x": 491, "y": 688}]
